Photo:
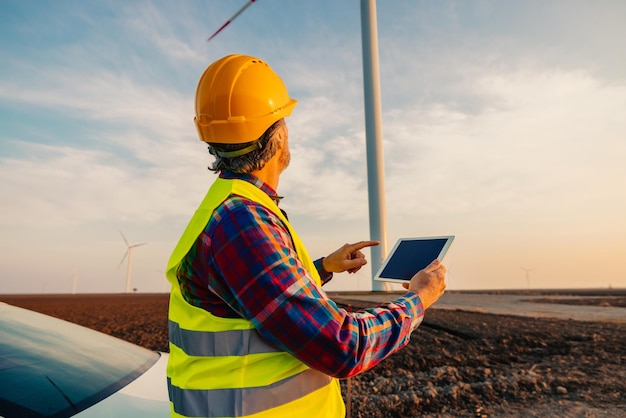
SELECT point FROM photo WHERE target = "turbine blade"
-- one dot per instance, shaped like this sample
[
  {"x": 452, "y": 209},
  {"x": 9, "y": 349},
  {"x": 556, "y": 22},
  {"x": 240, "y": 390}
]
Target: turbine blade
[
  {"x": 137, "y": 245},
  {"x": 123, "y": 258},
  {"x": 231, "y": 19},
  {"x": 125, "y": 240}
]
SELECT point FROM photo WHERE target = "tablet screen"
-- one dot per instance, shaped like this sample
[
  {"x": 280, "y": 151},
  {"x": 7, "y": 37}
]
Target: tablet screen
[{"x": 411, "y": 255}]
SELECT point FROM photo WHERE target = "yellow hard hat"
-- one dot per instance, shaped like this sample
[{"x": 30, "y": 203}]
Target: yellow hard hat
[{"x": 238, "y": 98}]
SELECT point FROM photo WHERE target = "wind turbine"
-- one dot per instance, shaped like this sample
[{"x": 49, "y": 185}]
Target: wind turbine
[
  {"x": 527, "y": 275},
  {"x": 165, "y": 282},
  {"x": 74, "y": 282},
  {"x": 373, "y": 133},
  {"x": 129, "y": 253},
  {"x": 449, "y": 276}
]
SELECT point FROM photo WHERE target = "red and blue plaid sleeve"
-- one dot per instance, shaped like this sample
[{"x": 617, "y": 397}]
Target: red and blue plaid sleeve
[{"x": 248, "y": 258}]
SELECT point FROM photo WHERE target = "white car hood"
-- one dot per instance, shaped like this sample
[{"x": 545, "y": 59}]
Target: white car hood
[{"x": 146, "y": 396}]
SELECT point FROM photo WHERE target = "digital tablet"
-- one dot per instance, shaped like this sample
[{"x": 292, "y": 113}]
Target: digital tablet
[{"x": 411, "y": 255}]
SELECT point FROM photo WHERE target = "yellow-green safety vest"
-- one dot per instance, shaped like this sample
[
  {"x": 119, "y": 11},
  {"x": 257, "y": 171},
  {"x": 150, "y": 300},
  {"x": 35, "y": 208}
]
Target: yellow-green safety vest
[{"x": 221, "y": 367}]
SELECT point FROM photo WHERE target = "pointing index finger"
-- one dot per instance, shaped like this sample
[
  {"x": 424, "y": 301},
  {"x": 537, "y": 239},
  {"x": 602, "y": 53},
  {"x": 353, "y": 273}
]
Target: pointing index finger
[{"x": 361, "y": 244}]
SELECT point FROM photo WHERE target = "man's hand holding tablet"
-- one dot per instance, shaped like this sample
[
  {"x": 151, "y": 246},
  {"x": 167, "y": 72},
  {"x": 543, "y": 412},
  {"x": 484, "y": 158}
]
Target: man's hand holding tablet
[
  {"x": 429, "y": 283},
  {"x": 416, "y": 264}
]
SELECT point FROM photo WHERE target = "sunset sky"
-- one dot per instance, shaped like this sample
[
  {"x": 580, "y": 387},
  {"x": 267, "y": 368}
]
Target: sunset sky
[{"x": 504, "y": 124}]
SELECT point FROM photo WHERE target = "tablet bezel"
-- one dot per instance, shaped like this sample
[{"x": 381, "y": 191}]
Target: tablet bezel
[{"x": 442, "y": 253}]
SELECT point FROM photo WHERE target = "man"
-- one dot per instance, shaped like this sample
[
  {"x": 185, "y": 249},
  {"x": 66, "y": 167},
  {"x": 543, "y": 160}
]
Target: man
[{"x": 251, "y": 332}]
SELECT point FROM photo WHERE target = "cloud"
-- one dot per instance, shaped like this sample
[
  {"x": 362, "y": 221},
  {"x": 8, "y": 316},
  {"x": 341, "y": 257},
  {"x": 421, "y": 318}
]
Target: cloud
[
  {"x": 131, "y": 164},
  {"x": 488, "y": 130},
  {"x": 68, "y": 186},
  {"x": 104, "y": 96},
  {"x": 172, "y": 35},
  {"x": 539, "y": 138},
  {"x": 535, "y": 138}
]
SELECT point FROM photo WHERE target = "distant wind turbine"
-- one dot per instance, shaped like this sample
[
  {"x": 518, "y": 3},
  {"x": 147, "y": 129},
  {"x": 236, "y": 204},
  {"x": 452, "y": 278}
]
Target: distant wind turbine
[
  {"x": 129, "y": 253},
  {"x": 527, "y": 275},
  {"x": 74, "y": 282},
  {"x": 165, "y": 282},
  {"x": 449, "y": 275}
]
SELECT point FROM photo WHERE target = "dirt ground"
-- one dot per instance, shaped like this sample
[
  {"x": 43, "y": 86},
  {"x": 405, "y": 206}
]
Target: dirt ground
[{"x": 458, "y": 364}]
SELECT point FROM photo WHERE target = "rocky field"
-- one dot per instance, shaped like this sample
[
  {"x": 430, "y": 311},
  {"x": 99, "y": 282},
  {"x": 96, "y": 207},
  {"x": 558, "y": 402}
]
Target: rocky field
[{"x": 458, "y": 364}]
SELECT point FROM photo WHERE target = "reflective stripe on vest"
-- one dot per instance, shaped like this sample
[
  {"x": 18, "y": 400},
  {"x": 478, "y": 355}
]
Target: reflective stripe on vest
[
  {"x": 245, "y": 401},
  {"x": 221, "y": 367},
  {"x": 223, "y": 343}
]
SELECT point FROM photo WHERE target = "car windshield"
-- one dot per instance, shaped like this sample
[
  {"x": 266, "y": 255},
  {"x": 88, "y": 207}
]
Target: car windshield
[{"x": 53, "y": 368}]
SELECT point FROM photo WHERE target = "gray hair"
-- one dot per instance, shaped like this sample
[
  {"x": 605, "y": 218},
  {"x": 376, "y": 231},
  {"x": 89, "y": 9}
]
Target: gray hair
[{"x": 262, "y": 150}]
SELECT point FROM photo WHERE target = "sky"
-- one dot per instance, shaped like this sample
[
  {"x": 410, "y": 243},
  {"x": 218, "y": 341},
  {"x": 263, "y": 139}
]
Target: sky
[{"x": 503, "y": 122}]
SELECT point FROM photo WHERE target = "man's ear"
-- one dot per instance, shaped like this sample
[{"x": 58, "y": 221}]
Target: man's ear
[{"x": 282, "y": 134}]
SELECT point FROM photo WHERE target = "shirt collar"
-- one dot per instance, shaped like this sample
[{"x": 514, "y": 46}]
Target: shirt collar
[{"x": 230, "y": 175}]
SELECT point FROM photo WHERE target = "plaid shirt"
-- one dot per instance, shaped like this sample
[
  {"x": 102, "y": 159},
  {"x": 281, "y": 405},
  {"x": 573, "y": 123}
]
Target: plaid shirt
[{"x": 244, "y": 265}]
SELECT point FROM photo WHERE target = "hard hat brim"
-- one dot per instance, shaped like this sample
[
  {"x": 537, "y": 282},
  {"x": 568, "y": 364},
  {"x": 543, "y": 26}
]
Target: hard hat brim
[{"x": 239, "y": 129}]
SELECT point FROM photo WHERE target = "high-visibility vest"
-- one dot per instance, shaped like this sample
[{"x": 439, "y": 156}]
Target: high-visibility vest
[{"x": 221, "y": 367}]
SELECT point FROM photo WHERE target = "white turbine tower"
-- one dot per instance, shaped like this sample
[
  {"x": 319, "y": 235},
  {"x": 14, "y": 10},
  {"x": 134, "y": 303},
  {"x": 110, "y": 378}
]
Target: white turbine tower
[
  {"x": 129, "y": 253},
  {"x": 373, "y": 133}
]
